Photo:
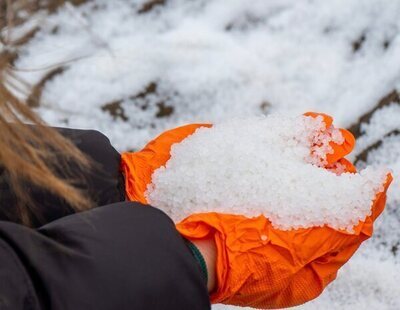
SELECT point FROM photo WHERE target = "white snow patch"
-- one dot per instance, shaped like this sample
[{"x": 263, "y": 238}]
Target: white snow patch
[
  {"x": 383, "y": 121},
  {"x": 213, "y": 61},
  {"x": 388, "y": 154}
]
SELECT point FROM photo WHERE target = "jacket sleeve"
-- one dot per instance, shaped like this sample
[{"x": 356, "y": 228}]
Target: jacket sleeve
[
  {"x": 103, "y": 183},
  {"x": 121, "y": 256}
]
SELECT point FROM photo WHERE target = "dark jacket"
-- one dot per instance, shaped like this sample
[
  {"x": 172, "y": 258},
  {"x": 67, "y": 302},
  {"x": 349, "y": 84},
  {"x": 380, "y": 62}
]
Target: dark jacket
[
  {"x": 119, "y": 256},
  {"x": 103, "y": 183}
]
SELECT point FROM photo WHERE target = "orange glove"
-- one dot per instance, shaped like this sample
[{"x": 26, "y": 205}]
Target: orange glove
[
  {"x": 339, "y": 150},
  {"x": 257, "y": 265}
]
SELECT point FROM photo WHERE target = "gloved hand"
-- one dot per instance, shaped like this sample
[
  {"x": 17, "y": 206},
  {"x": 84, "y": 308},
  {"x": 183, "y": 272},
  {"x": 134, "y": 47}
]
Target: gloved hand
[
  {"x": 257, "y": 265},
  {"x": 138, "y": 167}
]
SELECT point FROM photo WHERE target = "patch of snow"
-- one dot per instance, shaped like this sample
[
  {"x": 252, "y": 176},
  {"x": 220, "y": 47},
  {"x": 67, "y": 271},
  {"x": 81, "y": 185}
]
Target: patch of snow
[
  {"x": 212, "y": 61},
  {"x": 383, "y": 121}
]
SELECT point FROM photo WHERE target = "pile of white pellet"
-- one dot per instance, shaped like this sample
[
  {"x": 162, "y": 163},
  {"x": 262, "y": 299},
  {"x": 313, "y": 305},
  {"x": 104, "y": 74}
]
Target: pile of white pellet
[{"x": 272, "y": 166}]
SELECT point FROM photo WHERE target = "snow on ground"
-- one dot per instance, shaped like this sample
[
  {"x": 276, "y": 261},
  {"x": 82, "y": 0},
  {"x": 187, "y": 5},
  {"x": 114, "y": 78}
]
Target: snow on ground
[
  {"x": 210, "y": 61},
  {"x": 131, "y": 74}
]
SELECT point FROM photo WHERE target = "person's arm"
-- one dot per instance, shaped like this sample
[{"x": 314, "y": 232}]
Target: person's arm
[
  {"x": 122, "y": 256},
  {"x": 208, "y": 249},
  {"x": 103, "y": 183}
]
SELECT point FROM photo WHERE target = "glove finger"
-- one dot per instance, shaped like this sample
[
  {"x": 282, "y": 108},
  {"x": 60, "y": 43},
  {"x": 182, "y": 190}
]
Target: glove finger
[
  {"x": 341, "y": 150},
  {"x": 328, "y": 120}
]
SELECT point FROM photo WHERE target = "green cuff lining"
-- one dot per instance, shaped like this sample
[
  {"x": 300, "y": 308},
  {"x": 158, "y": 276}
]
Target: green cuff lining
[{"x": 199, "y": 258}]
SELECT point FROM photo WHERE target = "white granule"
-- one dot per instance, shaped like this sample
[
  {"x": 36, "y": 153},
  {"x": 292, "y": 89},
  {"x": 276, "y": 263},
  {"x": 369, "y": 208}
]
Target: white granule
[{"x": 270, "y": 166}]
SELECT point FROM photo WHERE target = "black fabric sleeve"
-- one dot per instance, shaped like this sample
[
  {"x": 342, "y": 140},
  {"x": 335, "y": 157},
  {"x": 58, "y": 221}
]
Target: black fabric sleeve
[
  {"x": 121, "y": 256},
  {"x": 102, "y": 184}
]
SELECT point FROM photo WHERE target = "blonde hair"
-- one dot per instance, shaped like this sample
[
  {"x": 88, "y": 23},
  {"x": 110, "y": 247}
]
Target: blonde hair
[{"x": 33, "y": 155}]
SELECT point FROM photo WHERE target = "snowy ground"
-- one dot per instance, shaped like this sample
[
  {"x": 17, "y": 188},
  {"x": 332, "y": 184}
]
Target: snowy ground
[{"x": 131, "y": 70}]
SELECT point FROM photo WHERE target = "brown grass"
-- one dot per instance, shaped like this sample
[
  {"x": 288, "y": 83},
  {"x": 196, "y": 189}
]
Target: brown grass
[
  {"x": 149, "y": 5},
  {"x": 393, "y": 96}
]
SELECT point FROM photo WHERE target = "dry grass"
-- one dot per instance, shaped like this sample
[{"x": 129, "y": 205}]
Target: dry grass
[
  {"x": 149, "y": 5},
  {"x": 392, "y": 97}
]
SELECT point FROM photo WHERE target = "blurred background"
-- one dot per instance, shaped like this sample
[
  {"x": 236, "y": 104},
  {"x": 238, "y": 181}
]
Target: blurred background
[{"x": 133, "y": 68}]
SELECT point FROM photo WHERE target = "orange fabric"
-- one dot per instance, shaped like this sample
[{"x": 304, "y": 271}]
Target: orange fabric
[
  {"x": 340, "y": 150},
  {"x": 328, "y": 120},
  {"x": 267, "y": 268},
  {"x": 257, "y": 265},
  {"x": 263, "y": 267}
]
